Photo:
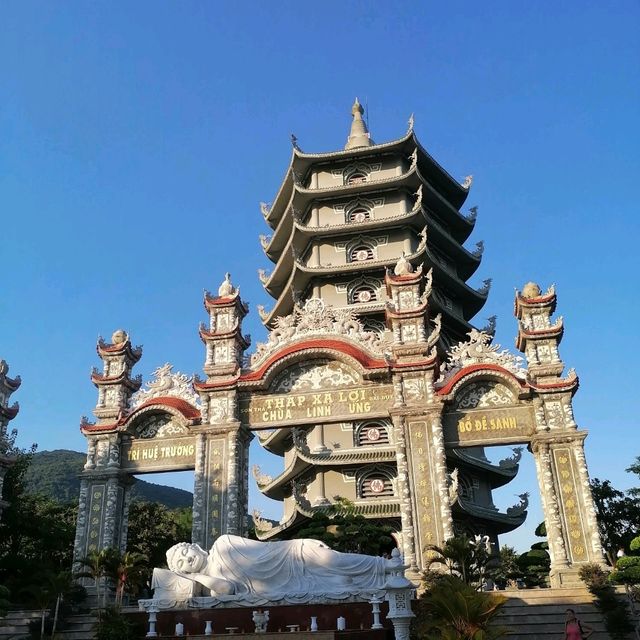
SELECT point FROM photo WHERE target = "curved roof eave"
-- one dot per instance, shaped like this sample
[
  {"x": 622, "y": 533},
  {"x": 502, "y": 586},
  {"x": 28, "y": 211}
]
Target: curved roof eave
[
  {"x": 462, "y": 287},
  {"x": 502, "y": 522}
]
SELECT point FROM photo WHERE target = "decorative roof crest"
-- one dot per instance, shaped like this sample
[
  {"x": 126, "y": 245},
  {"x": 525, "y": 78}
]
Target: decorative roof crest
[
  {"x": 512, "y": 461},
  {"x": 490, "y": 327},
  {"x": 414, "y": 158},
  {"x": 265, "y": 209},
  {"x": 519, "y": 509},
  {"x": 263, "y": 275},
  {"x": 227, "y": 289},
  {"x": 403, "y": 266},
  {"x": 166, "y": 383},
  {"x": 259, "y": 522},
  {"x": 264, "y": 240},
  {"x": 410, "y": 122},
  {"x": 473, "y": 213},
  {"x": 316, "y": 318},
  {"x": 479, "y": 350},
  {"x": 486, "y": 287},
  {"x": 468, "y": 181},
  {"x": 262, "y": 480},
  {"x": 479, "y": 250},
  {"x": 418, "y": 195}
]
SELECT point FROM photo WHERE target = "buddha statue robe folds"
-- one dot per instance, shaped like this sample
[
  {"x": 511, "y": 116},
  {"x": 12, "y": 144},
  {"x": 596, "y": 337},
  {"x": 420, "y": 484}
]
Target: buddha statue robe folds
[{"x": 238, "y": 567}]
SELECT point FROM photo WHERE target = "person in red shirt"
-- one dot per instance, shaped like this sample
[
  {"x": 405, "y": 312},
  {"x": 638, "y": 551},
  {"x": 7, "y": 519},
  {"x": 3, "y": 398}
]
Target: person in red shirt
[{"x": 574, "y": 629}]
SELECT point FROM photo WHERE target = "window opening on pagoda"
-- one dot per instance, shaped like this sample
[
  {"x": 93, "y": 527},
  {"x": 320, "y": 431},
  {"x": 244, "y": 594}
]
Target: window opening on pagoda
[
  {"x": 375, "y": 483},
  {"x": 358, "y": 214},
  {"x": 372, "y": 433},
  {"x": 360, "y": 252},
  {"x": 356, "y": 174},
  {"x": 362, "y": 294}
]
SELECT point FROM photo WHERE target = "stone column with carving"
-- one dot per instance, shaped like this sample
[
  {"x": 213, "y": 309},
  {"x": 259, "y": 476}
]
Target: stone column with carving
[
  {"x": 103, "y": 503},
  {"x": 221, "y": 487},
  {"x": 420, "y": 455},
  {"x": 557, "y": 445}
]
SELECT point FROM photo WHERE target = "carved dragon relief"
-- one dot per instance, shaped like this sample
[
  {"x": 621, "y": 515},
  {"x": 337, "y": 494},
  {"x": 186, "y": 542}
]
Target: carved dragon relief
[
  {"x": 512, "y": 461},
  {"x": 521, "y": 508},
  {"x": 477, "y": 395},
  {"x": 259, "y": 522},
  {"x": 314, "y": 375},
  {"x": 166, "y": 383},
  {"x": 479, "y": 350},
  {"x": 315, "y": 318},
  {"x": 262, "y": 480}
]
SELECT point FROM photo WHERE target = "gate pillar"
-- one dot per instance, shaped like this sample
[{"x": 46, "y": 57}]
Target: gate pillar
[
  {"x": 220, "y": 500},
  {"x": 420, "y": 454},
  {"x": 104, "y": 489},
  {"x": 557, "y": 445}
]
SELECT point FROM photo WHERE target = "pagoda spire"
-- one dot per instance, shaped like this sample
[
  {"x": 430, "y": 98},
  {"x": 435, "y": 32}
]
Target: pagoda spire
[{"x": 359, "y": 135}]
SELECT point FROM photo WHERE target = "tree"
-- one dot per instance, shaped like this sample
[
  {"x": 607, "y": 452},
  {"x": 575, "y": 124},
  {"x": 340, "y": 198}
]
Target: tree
[
  {"x": 4, "y": 601},
  {"x": 635, "y": 469},
  {"x": 342, "y": 529},
  {"x": 536, "y": 563},
  {"x": 101, "y": 566},
  {"x": 507, "y": 570},
  {"x": 131, "y": 570},
  {"x": 463, "y": 557},
  {"x": 618, "y": 515},
  {"x": 153, "y": 529},
  {"x": 36, "y": 534}
]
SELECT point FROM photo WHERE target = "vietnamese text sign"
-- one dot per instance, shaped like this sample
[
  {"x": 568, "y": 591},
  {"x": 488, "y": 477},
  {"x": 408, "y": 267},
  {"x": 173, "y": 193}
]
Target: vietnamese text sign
[
  {"x": 297, "y": 408},
  {"x": 160, "y": 453},
  {"x": 488, "y": 426}
]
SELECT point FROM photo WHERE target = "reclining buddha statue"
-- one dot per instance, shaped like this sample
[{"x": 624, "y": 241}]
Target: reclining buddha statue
[{"x": 240, "y": 567}]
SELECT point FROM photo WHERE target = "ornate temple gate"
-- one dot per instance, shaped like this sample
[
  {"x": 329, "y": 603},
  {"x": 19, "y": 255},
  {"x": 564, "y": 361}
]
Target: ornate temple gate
[{"x": 480, "y": 397}]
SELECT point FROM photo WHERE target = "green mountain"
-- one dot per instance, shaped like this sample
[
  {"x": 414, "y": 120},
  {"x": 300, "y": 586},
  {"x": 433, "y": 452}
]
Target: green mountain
[{"x": 56, "y": 474}]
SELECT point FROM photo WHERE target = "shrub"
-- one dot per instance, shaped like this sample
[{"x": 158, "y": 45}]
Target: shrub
[
  {"x": 627, "y": 570},
  {"x": 114, "y": 625},
  {"x": 451, "y": 609},
  {"x": 635, "y": 544},
  {"x": 614, "y": 610}
]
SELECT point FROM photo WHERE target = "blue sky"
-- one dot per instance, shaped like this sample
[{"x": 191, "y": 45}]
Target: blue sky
[{"x": 138, "y": 138}]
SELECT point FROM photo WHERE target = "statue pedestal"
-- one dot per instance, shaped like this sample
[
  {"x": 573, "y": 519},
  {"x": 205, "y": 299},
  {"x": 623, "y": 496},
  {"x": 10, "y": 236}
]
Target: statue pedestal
[{"x": 358, "y": 615}]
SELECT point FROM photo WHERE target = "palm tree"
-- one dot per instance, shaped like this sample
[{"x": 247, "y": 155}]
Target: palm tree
[
  {"x": 462, "y": 557},
  {"x": 4, "y": 601},
  {"x": 61, "y": 584},
  {"x": 453, "y": 610},
  {"x": 100, "y": 566},
  {"x": 130, "y": 570},
  {"x": 456, "y": 555},
  {"x": 41, "y": 595}
]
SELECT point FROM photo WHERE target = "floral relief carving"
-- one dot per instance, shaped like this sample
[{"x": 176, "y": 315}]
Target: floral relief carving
[
  {"x": 159, "y": 425},
  {"x": 414, "y": 389},
  {"x": 484, "y": 394},
  {"x": 218, "y": 410}
]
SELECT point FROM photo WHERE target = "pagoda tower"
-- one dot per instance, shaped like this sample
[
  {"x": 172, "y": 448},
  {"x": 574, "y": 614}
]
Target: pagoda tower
[
  {"x": 340, "y": 219},
  {"x": 339, "y": 222},
  {"x": 7, "y": 413}
]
